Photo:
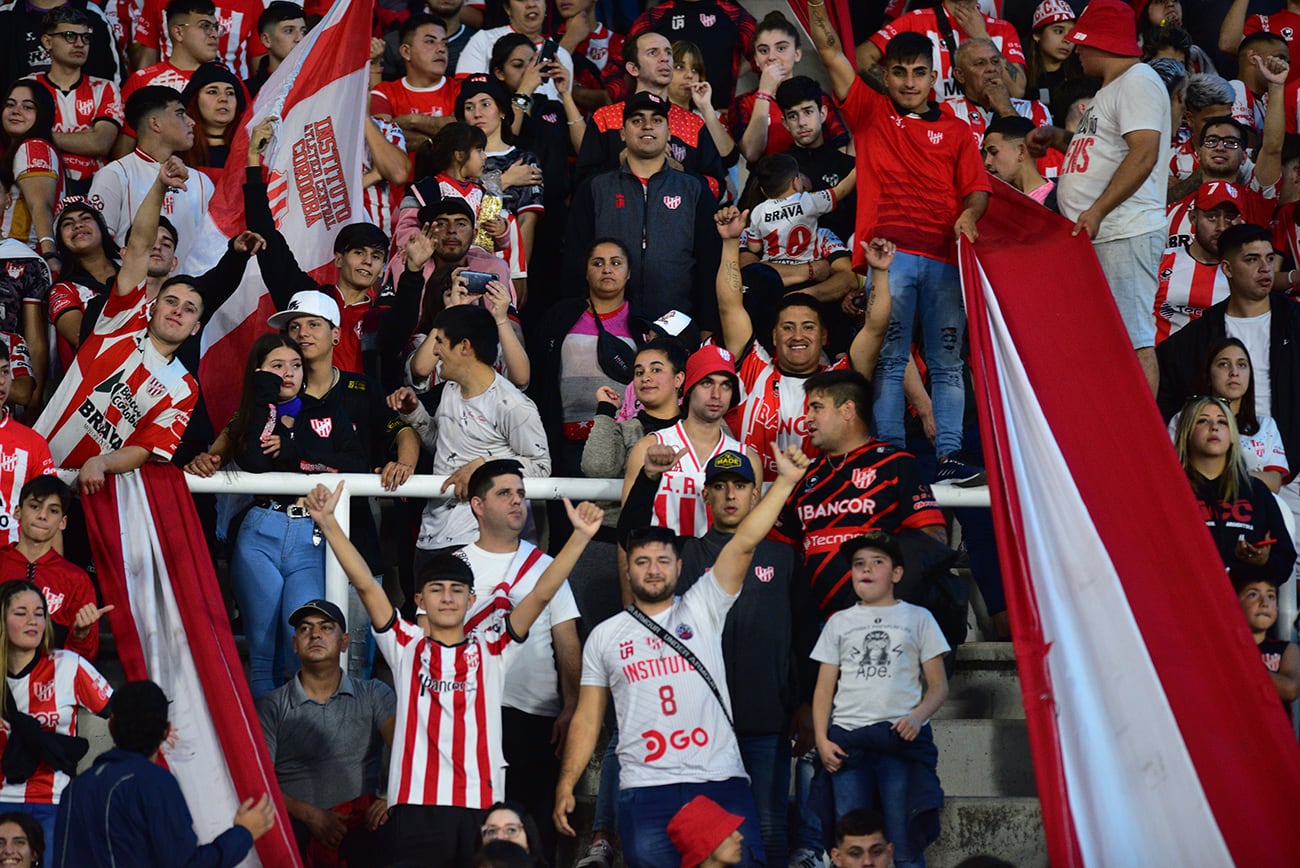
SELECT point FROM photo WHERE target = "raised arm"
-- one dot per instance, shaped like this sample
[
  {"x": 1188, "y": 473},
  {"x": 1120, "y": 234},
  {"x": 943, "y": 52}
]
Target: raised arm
[
  {"x": 1234, "y": 23},
  {"x": 733, "y": 561},
  {"x": 320, "y": 505},
  {"x": 864, "y": 352},
  {"x": 737, "y": 327},
  {"x": 1268, "y": 162},
  {"x": 585, "y": 518},
  {"x": 144, "y": 229},
  {"x": 830, "y": 50}
]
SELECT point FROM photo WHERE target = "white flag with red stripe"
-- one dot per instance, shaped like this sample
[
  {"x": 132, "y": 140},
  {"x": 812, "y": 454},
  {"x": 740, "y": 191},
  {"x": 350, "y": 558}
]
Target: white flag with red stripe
[
  {"x": 313, "y": 173},
  {"x": 170, "y": 625},
  {"x": 1157, "y": 736}
]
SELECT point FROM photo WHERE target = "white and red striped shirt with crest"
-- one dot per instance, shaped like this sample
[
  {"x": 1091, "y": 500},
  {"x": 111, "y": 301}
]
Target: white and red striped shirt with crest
[
  {"x": 51, "y": 690},
  {"x": 1186, "y": 289},
  {"x": 773, "y": 408},
  {"x": 24, "y": 455},
  {"x": 679, "y": 502},
  {"x": 77, "y": 110},
  {"x": 447, "y": 743}
]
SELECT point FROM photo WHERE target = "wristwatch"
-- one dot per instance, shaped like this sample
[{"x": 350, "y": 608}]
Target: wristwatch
[{"x": 522, "y": 101}]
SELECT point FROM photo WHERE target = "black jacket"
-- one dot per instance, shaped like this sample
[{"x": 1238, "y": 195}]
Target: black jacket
[{"x": 21, "y": 52}]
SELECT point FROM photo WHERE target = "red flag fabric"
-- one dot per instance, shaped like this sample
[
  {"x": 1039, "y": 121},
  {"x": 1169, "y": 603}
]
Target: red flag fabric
[
  {"x": 171, "y": 627},
  {"x": 1157, "y": 736}
]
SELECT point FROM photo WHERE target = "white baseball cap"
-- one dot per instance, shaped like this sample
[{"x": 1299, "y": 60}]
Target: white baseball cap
[{"x": 309, "y": 302}]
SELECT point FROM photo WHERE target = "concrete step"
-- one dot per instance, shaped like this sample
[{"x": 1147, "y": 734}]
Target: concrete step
[
  {"x": 1008, "y": 828},
  {"x": 984, "y": 758},
  {"x": 984, "y": 684}
]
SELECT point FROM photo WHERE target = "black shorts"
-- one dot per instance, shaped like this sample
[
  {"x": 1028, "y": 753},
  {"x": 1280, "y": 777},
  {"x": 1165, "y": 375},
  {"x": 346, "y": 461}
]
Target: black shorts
[{"x": 434, "y": 836}]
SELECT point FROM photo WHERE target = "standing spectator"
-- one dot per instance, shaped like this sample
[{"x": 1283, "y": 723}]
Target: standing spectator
[
  {"x": 155, "y": 34},
  {"x": 648, "y": 58},
  {"x": 594, "y": 47},
  {"x": 479, "y": 416},
  {"x": 89, "y": 256},
  {"x": 42, "y": 513},
  {"x": 1156, "y": 15},
  {"x": 1222, "y": 150},
  {"x": 129, "y": 804},
  {"x": 1284, "y": 25},
  {"x": 1190, "y": 277},
  {"x": 1250, "y": 86},
  {"x": 33, "y": 164},
  {"x": 87, "y": 109},
  {"x": 942, "y": 166},
  {"x": 978, "y": 69},
  {"x": 1049, "y": 59},
  {"x": 1113, "y": 182},
  {"x": 193, "y": 30},
  {"x": 22, "y": 24},
  {"x": 527, "y": 17},
  {"x": 214, "y": 100},
  {"x": 1007, "y": 156},
  {"x": 723, "y": 29},
  {"x": 690, "y": 90},
  {"x": 280, "y": 27},
  {"x": 947, "y": 25},
  {"x": 458, "y": 36},
  {"x": 667, "y": 219},
  {"x": 30, "y": 457},
  {"x": 163, "y": 129},
  {"x": 1206, "y": 97},
  {"x": 326, "y": 733},
  {"x": 46, "y": 686},
  {"x": 441, "y": 777},
  {"x": 656, "y": 692},
  {"x": 424, "y": 100},
  {"x": 805, "y": 113}
]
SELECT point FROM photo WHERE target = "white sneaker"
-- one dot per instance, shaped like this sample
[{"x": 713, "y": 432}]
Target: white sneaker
[
  {"x": 806, "y": 859},
  {"x": 599, "y": 855}
]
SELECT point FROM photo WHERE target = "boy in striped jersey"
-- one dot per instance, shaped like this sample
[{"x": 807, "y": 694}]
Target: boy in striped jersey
[{"x": 447, "y": 763}]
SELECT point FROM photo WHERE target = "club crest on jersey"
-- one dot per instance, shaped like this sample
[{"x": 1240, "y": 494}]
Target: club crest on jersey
[
  {"x": 44, "y": 690},
  {"x": 471, "y": 657},
  {"x": 53, "y": 602},
  {"x": 679, "y": 21},
  {"x": 85, "y": 106},
  {"x": 1287, "y": 33},
  {"x": 15, "y": 269},
  {"x": 684, "y": 631},
  {"x": 672, "y": 202},
  {"x": 154, "y": 388},
  {"x": 863, "y": 477},
  {"x": 677, "y": 151},
  {"x": 322, "y": 427},
  {"x": 551, "y": 117},
  {"x": 935, "y": 136},
  {"x": 765, "y": 574},
  {"x": 708, "y": 20}
]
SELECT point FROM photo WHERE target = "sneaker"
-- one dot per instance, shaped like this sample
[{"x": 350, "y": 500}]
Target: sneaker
[
  {"x": 953, "y": 472},
  {"x": 806, "y": 859},
  {"x": 599, "y": 855}
]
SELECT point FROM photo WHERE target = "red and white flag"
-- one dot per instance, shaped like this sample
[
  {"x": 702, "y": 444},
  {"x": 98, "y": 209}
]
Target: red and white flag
[
  {"x": 171, "y": 627},
  {"x": 313, "y": 171},
  {"x": 1157, "y": 736}
]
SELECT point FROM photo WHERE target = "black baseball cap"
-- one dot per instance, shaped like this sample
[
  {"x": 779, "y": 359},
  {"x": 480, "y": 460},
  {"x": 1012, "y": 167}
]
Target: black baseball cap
[
  {"x": 644, "y": 99},
  {"x": 729, "y": 463},
  {"x": 318, "y": 607},
  {"x": 875, "y": 539}
]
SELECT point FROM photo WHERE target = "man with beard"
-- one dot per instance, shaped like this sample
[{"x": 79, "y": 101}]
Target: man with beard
[{"x": 1190, "y": 277}]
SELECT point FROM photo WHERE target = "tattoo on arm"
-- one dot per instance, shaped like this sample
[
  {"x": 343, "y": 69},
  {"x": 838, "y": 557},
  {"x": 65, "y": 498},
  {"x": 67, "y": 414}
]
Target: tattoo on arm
[
  {"x": 824, "y": 25},
  {"x": 733, "y": 275}
]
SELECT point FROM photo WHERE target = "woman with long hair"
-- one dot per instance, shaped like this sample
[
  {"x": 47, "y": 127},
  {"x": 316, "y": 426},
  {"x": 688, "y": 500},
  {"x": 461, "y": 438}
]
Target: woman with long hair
[
  {"x": 509, "y": 821},
  {"x": 1241, "y": 513},
  {"x": 32, "y": 165},
  {"x": 44, "y": 688},
  {"x": 22, "y": 840},
  {"x": 215, "y": 99},
  {"x": 90, "y": 260}
]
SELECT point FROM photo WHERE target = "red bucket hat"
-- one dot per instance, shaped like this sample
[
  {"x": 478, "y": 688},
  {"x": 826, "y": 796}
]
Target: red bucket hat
[
  {"x": 1107, "y": 25},
  {"x": 699, "y": 827}
]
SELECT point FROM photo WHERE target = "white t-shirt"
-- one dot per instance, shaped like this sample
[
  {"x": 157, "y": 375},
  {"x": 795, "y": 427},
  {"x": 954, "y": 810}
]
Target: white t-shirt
[
  {"x": 477, "y": 52},
  {"x": 1136, "y": 100},
  {"x": 673, "y": 727},
  {"x": 1254, "y": 332},
  {"x": 787, "y": 227},
  {"x": 532, "y": 683},
  {"x": 879, "y": 650}
]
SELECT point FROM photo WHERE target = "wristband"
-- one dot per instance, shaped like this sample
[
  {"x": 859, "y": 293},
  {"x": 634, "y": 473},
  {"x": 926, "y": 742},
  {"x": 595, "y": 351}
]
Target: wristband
[
  {"x": 44, "y": 238},
  {"x": 764, "y": 95}
]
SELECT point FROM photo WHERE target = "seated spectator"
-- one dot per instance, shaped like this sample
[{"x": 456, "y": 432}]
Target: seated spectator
[
  {"x": 881, "y": 680},
  {"x": 1168, "y": 42},
  {"x": 1050, "y": 56},
  {"x": 819, "y": 150},
  {"x": 22, "y": 839},
  {"x": 527, "y": 17},
  {"x": 707, "y": 834},
  {"x": 24, "y": 288},
  {"x": 458, "y": 35},
  {"x": 668, "y": 219},
  {"x": 87, "y": 109},
  {"x": 594, "y": 47},
  {"x": 280, "y": 27},
  {"x": 214, "y": 100},
  {"x": 326, "y": 733},
  {"x": 22, "y": 51},
  {"x": 163, "y": 130},
  {"x": 504, "y": 854},
  {"x": 964, "y": 19},
  {"x": 783, "y": 226},
  {"x": 508, "y": 821},
  {"x": 21, "y": 383},
  {"x": 422, "y": 101},
  {"x": 34, "y": 166},
  {"x": 1190, "y": 277},
  {"x": 1241, "y": 513},
  {"x": 1250, "y": 86},
  {"x": 1007, "y": 157},
  {"x": 31, "y": 457},
  {"x": 1258, "y": 600},
  {"x": 1154, "y": 15},
  {"x": 1222, "y": 158},
  {"x": 754, "y": 119},
  {"x": 143, "y": 412},
  {"x": 192, "y": 33},
  {"x": 978, "y": 69},
  {"x": 42, "y": 514},
  {"x": 725, "y": 35},
  {"x": 89, "y": 256},
  {"x": 1174, "y": 75},
  {"x": 860, "y": 841},
  {"x": 154, "y": 37},
  {"x": 128, "y": 803},
  {"x": 691, "y": 91},
  {"x": 1228, "y": 376}
]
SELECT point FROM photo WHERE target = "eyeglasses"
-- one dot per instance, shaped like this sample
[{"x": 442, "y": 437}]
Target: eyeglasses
[
  {"x": 1228, "y": 144},
  {"x": 72, "y": 37},
  {"x": 511, "y": 830},
  {"x": 209, "y": 28}
]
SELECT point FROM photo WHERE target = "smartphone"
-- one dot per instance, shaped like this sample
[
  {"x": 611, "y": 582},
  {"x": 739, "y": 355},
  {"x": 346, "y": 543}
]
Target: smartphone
[
  {"x": 476, "y": 281},
  {"x": 549, "y": 47}
]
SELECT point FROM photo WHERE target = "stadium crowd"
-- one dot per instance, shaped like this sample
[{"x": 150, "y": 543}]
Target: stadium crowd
[{"x": 585, "y": 252}]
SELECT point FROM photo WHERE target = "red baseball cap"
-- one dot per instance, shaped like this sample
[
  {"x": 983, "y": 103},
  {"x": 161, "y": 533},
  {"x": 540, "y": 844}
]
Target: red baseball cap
[
  {"x": 699, "y": 827},
  {"x": 1212, "y": 194},
  {"x": 1107, "y": 25},
  {"x": 707, "y": 360}
]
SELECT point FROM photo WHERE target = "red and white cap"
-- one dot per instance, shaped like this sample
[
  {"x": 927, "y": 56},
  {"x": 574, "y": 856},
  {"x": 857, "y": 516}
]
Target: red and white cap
[
  {"x": 1212, "y": 194},
  {"x": 1052, "y": 12}
]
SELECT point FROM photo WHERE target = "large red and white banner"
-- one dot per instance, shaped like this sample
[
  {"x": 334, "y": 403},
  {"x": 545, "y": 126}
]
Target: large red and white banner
[
  {"x": 171, "y": 627},
  {"x": 313, "y": 173},
  {"x": 1157, "y": 736}
]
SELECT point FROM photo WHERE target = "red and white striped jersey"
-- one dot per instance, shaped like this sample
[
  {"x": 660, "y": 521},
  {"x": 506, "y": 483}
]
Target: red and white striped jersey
[
  {"x": 1248, "y": 108},
  {"x": 161, "y": 74},
  {"x": 78, "y": 109},
  {"x": 679, "y": 502},
  {"x": 447, "y": 743},
  {"x": 120, "y": 391},
  {"x": 24, "y": 454},
  {"x": 1286, "y": 234},
  {"x": 238, "y": 40},
  {"x": 1186, "y": 289},
  {"x": 601, "y": 47},
  {"x": 381, "y": 200},
  {"x": 773, "y": 406},
  {"x": 34, "y": 158},
  {"x": 1255, "y": 208},
  {"x": 1048, "y": 165},
  {"x": 20, "y": 358},
  {"x": 787, "y": 227},
  {"x": 51, "y": 690},
  {"x": 674, "y": 729}
]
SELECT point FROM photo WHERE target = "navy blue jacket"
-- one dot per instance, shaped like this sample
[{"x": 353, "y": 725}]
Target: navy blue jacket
[{"x": 128, "y": 812}]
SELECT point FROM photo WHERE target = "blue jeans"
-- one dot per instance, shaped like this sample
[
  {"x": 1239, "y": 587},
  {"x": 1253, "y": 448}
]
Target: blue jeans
[
  {"x": 274, "y": 570},
  {"x": 644, "y": 812},
  {"x": 808, "y": 826},
  {"x": 767, "y": 759},
  {"x": 880, "y": 782},
  {"x": 606, "y": 819},
  {"x": 930, "y": 290}
]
